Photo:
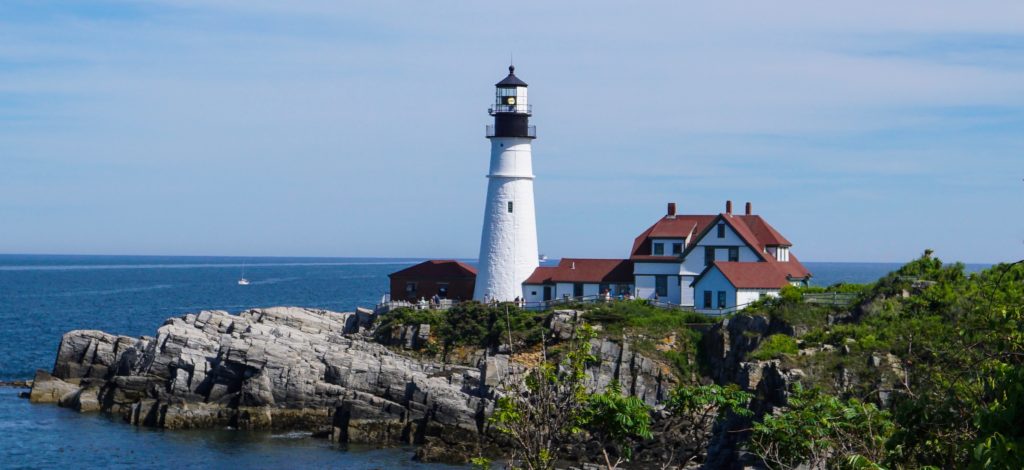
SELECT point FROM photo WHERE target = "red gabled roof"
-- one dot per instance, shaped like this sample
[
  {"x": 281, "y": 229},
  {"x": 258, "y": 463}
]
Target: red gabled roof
[
  {"x": 437, "y": 269},
  {"x": 750, "y": 275},
  {"x": 584, "y": 270},
  {"x": 679, "y": 226},
  {"x": 762, "y": 231},
  {"x": 752, "y": 229}
]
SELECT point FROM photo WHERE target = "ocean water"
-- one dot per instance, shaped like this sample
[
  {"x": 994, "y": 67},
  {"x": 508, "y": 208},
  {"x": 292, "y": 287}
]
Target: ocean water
[{"x": 43, "y": 296}]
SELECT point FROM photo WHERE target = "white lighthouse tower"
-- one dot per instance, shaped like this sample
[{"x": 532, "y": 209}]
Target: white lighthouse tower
[{"x": 508, "y": 245}]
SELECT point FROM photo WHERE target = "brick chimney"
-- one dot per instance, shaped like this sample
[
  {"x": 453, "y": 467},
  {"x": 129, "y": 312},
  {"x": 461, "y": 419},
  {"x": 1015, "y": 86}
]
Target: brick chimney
[
  {"x": 671, "y": 209},
  {"x": 728, "y": 207},
  {"x": 750, "y": 208}
]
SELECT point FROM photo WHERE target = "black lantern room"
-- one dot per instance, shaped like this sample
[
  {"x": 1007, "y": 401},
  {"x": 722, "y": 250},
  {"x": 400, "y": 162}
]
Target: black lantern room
[{"x": 511, "y": 110}]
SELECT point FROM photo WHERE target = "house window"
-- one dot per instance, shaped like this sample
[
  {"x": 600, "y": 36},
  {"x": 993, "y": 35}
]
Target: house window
[
  {"x": 721, "y": 299},
  {"x": 707, "y": 299},
  {"x": 410, "y": 287},
  {"x": 659, "y": 249},
  {"x": 533, "y": 293},
  {"x": 577, "y": 289},
  {"x": 734, "y": 253},
  {"x": 677, "y": 248},
  {"x": 721, "y": 230},
  {"x": 661, "y": 285},
  {"x": 709, "y": 255},
  {"x": 510, "y": 207},
  {"x": 442, "y": 290}
]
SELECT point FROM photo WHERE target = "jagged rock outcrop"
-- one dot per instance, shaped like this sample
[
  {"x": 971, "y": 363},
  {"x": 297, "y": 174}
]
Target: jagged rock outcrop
[
  {"x": 302, "y": 369},
  {"x": 638, "y": 375},
  {"x": 275, "y": 368}
]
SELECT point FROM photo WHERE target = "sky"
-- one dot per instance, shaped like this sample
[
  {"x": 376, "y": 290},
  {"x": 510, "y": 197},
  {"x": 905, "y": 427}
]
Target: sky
[{"x": 868, "y": 131}]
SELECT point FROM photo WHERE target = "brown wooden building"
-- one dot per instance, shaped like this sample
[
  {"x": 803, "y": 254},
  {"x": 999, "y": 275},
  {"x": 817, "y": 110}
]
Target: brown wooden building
[{"x": 449, "y": 279}]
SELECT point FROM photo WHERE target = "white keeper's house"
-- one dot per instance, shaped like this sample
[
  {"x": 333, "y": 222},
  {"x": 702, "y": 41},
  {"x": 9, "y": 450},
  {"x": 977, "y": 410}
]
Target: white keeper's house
[{"x": 711, "y": 262}]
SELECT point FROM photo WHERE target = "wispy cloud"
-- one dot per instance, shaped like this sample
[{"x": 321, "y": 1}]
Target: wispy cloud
[{"x": 149, "y": 117}]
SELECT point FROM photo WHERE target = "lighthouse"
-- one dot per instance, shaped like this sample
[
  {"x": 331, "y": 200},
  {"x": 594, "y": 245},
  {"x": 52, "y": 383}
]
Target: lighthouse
[{"x": 508, "y": 244}]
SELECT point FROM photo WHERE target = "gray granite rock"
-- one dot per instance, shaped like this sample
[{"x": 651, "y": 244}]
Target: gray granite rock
[{"x": 271, "y": 368}]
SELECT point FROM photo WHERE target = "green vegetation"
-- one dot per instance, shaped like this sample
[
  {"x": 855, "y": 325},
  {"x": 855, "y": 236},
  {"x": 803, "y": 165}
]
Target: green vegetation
[
  {"x": 541, "y": 410},
  {"x": 774, "y": 347},
  {"x": 639, "y": 317},
  {"x": 945, "y": 347},
  {"x": 469, "y": 324},
  {"x": 616, "y": 420},
  {"x": 693, "y": 409},
  {"x": 820, "y": 431},
  {"x": 665, "y": 335}
]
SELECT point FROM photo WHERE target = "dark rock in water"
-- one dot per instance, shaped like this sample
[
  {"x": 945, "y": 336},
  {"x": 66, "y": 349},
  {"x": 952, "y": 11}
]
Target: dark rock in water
[
  {"x": 16, "y": 383},
  {"x": 276, "y": 368}
]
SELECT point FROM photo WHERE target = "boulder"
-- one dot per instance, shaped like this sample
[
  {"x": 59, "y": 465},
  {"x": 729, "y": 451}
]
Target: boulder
[{"x": 49, "y": 389}]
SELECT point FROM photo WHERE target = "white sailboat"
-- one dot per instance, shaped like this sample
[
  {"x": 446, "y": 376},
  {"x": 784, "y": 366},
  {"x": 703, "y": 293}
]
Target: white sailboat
[{"x": 243, "y": 281}]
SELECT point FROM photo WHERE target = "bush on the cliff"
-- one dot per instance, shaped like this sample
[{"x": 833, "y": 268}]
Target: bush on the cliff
[
  {"x": 693, "y": 409},
  {"x": 617, "y": 421},
  {"x": 638, "y": 315},
  {"x": 774, "y": 347},
  {"x": 821, "y": 431},
  {"x": 469, "y": 324},
  {"x": 541, "y": 409}
]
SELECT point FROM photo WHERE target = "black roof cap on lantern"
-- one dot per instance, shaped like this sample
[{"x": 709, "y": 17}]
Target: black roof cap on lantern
[{"x": 511, "y": 80}]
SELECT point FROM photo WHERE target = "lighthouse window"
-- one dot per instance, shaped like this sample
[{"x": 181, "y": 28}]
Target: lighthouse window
[{"x": 510, "y": 206}]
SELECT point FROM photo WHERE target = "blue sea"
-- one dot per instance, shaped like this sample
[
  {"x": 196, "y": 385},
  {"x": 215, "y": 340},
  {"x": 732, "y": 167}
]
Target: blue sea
[{"x": 43, "y": 296}]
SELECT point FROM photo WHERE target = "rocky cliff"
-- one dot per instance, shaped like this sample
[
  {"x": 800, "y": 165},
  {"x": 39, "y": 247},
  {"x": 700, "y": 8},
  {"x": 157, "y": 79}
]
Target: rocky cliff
[
  {"x": 303, "y": 369},
  {"x": 276, "y": 368}
]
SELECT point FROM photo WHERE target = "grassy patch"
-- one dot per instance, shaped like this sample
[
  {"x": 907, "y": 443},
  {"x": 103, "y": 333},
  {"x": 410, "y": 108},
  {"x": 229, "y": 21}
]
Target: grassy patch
[
  {"x": 640, "y": 317},
  {"x": 775, "y": 347}
]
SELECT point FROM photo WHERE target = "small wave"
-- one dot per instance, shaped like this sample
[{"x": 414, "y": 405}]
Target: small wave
[
  {"x": 110, "y": 291},
  {"x": 273, "y": 280},
  {"x": 291, "y": 435}
]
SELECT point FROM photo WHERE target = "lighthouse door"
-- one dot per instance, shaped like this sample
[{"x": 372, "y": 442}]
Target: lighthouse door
[{"x": 547, "y": 293}]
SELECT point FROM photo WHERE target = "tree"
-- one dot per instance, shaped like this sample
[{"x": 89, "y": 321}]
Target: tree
[
  {"x": 694, "y": 409},
  {"x": 820, "y": 431},
  {"x": 616, "y": 420},
  {"x": 541, "y": 409}
]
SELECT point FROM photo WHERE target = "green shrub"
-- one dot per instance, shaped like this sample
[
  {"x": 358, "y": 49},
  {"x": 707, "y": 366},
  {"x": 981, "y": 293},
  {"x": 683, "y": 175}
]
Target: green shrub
[
  {"x": 774, "y": 347},
  {"x": 615, "y": 317},
  {"x": 469, "y": 324}
]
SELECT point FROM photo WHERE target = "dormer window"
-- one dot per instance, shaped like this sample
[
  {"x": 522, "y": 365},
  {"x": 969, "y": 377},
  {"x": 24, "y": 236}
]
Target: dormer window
[
  {"x": 659, "y": 249},
  {"x": 677, "y": 248}
]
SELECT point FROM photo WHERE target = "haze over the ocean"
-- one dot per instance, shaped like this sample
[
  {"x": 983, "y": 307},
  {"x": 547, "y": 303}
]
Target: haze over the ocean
[{"x": 864, "y": 132}]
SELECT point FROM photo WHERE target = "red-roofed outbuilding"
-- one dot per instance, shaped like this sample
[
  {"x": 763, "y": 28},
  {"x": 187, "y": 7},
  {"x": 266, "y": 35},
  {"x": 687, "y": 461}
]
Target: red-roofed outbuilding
[
  {"x": 579, "y": 277},
  {"x": 448, "y": 279}
]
